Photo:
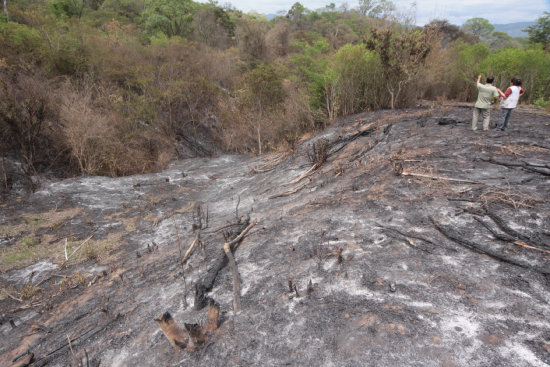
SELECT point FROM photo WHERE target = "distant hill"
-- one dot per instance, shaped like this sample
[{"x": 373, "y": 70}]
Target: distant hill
[{"x": 513, "y": 29}]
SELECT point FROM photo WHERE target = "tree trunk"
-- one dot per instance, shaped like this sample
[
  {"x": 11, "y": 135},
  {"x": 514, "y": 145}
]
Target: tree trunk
[
  {"x": 6, "y": 10},
  {"x": 259, "y": 137}
]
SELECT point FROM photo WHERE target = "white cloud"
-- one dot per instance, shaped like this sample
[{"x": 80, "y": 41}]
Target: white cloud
[
  {"x": 497, "y": 12},
  {"x": 455, "y": 11}
]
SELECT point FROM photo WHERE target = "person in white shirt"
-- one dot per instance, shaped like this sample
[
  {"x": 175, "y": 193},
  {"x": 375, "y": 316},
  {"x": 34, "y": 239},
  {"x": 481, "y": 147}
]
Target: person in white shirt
[{"x": 509, "y": 101}]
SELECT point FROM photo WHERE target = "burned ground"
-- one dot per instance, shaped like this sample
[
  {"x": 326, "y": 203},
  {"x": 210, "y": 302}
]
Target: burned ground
[{"x": 412, "y": 241}]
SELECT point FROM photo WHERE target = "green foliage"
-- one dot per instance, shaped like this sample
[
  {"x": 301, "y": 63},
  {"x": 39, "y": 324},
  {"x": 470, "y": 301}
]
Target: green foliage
[
  {"x": 478, "y": 27},
  {"x": 540, "y": 32},
  {"x": 124, "y": 9},
  {"x": 68, "y": 8},
  {"x": 20, "y": 39},
  {"x": 139, "y": 73},
  {"x": 541, "y": 102},
  {"x": 532, "y": 66},
  {"x": 311, "y": 66},
  {"x": 171, "y": 17},
  {"x": 355, "y": 71},
  {"x": 263, "y": 87},
  {"x": 30, "y": 241},
  {"x": 402, "y": 54}
]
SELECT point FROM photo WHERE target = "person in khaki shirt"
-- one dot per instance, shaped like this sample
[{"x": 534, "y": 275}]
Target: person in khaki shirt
[{"x": 487, "y": 95}]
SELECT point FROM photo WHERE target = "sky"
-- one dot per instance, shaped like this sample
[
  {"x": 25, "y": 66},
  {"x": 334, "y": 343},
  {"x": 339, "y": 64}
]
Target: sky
[{"x": 455, "y": 11}]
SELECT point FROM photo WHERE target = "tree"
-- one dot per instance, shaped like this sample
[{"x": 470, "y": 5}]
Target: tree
[
  {"x": 376, "y": 8},
  {"x": 212, "y": 25},
  {"x": 500, "y": 40},
  {"x": 478, "y": 27},
  {"x": 6, "y": 10},
  {"x": 540, "y": 32},
  {"x": 263, "y": 91},
  {"x": 297, "y": 14},
  {"x": 448, "y": 32},
  {"x": 402, "y": 54},
  {"x": 171, "y": 17},
  {"x": 67, "y": 8}
]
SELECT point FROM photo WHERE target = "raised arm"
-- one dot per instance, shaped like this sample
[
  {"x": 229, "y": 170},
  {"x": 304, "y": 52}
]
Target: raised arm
[{"x": 478, "y": 78}]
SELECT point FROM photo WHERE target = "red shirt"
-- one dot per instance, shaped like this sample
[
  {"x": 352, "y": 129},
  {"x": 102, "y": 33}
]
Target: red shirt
[{"x": 509, "y": 91}]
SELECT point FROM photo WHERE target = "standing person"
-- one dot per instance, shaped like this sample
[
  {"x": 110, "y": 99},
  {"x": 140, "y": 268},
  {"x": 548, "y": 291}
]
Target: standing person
[
  {"x": 509, "y": 102},
  {"x": 487, "y": 95}
]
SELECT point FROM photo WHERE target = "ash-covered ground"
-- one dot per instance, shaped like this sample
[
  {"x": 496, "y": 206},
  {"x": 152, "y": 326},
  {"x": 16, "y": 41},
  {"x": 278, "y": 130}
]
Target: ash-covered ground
[{"x": 394, "y": 238}]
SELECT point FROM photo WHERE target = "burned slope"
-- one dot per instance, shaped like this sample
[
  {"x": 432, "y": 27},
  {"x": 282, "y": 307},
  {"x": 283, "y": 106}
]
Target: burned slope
[{"x": 393, "y": 238}]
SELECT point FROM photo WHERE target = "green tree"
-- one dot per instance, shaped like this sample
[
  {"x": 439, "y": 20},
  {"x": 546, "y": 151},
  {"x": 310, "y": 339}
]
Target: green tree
[
  {"x": 69, "y": 8},
  {"x": 297, "y": 14},
  {"x": 540, "y": 32},
  {"x": 500, "y": 40},
  {"x": 402, "y": 55},
  {"x": 355, "y": 71},
  {"x": 171, "y": 17},
  {"x": 263, "y": 91},
  {"x": 478, "y": 27},
  {"x": 310, "y": 67}
]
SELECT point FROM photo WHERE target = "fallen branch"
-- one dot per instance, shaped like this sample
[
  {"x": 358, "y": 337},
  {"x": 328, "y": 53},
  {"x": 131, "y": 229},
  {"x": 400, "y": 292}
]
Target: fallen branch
[
  {"x": 233, "y": 266},
  {"x": 408, "y": 235},
  {"x": 304, "y": 175},
  {"x": 66, "y": 256},
  {"x": 190, "y": 249},
  {"x": 206, "y": 283},
  {"x": 11, "y": 296},
  {"x": 269, "y": 166},
  {"x": 25, "y": 307},
  {"x": 78, "y": 248},
  {"x": 47, "y": 358},
  {"x": 459, "y": 238},
  {"x": 542, "y": 169},
  {"x": 289, "y": 192},
  {"x": 507, "y": 229},
  {"x": 26, "y": 361},
  {"x": 236, "y": 281},
  {"x": 243, "y": 233},
  {"x": 508, "y": 238},
  {"x": 405, "y": 173}
]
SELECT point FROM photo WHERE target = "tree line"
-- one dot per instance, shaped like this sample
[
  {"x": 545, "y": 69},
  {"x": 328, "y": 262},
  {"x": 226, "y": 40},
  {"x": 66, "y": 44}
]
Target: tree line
[{"x": 110, "y": 87}]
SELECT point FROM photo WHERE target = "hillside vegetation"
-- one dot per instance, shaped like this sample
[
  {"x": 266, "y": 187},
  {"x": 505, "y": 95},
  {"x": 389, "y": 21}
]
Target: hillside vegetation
[{"x": 114, "y": 87}]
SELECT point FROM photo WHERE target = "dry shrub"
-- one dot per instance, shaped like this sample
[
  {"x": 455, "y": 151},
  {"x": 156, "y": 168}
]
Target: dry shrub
[
  {"x": 508, "y": 197},
  {"x": 29, "y": 291},
  {"x": 278, "y": 39},
  {"x": 221, "y": 66},
  {"x": 101, "y": 143},
  {"x": 244, "y": 128},
  {"x": 28, "y": 120},
  {"x": 251, "y": 40},
  {"x": 318, "y": 153}
]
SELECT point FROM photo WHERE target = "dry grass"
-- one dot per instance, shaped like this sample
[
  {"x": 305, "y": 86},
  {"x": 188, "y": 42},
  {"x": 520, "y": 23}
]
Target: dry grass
[
  {"x": 20, "y": 254},
  {"x": 29, "y": 291},
  {"x": 507, "y": 197}
]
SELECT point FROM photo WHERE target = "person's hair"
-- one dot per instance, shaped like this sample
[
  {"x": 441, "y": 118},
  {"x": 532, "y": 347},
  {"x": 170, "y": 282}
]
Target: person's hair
[
  {"x": 517, "y": 82},
  {"x": 513, "y": 81},
  {"x": 490, "y": 79}
]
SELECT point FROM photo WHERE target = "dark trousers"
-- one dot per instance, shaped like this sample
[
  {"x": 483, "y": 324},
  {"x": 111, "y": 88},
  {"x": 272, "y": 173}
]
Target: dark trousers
[{"x": 504, "y": 118}]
